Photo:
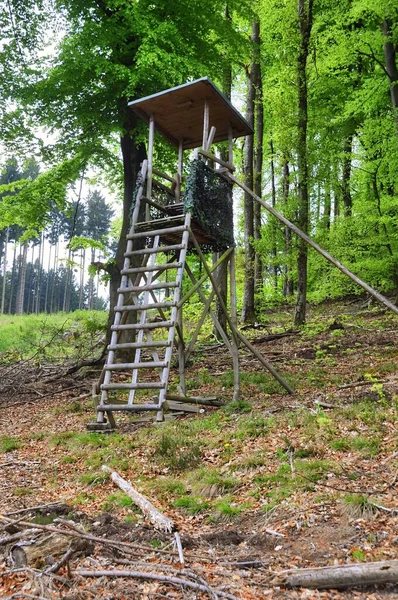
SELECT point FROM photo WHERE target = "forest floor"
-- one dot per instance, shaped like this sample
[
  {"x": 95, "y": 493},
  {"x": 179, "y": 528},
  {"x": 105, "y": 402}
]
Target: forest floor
[{"x": 286, "y": 481}]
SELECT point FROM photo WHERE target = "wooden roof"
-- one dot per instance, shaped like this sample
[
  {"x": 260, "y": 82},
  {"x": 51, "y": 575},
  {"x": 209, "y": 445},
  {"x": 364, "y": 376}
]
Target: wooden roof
[{"x": 178, "y": 113}]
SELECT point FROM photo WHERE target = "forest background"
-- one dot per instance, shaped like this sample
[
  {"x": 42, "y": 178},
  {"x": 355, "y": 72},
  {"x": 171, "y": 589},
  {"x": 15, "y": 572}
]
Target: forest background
[{"x": 320, "y": 84}]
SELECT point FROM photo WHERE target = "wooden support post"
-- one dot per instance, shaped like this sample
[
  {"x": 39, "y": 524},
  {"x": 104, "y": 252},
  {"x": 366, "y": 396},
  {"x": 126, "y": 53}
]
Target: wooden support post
[
  {"x": 379, "y": 297},
  {"x": 230, "y": 145},
  {"x": 235, "y": 350},
  {"x": 223, "y": 257},
  {"x": 210, "y": 139},
  {"x": 150, "y": 163},
  {"x": 235, "y": 331},
  {"x": 199, "y": 325},
  {"x": 206, "y": 119},
  {"x": 180, "y": 168},
  {"x": 181, "y": 353},
  {"x": 216, "y": 322}
]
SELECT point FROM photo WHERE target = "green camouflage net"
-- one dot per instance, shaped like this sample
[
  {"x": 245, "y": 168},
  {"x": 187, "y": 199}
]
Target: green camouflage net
[{"x": 208, "y": 197}]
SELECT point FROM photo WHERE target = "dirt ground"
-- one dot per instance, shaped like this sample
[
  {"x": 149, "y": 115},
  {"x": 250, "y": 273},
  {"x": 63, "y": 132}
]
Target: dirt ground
[{"x": 286, "y": 518}]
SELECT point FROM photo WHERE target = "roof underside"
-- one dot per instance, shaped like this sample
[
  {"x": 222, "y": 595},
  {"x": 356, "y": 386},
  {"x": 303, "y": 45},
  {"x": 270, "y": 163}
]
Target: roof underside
[{"x": 178, "y": 113}]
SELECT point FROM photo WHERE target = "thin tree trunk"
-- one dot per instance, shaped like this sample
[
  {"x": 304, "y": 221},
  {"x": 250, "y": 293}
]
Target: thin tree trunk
[
  {"x": 68, "y": 278},
  {"x": 346, "y": 176},
  {"x": 47, "y": 279},
  {"x": 54, "y": 281},
  {"x": 14, "y": 262},
  {"x": 305, "y": 23},
  {"x": 21, "y": 280},
  {"x": 390, "y": 57},
  {"x": 288, "y": 279},
  {"x": 3, "y": 289},
  {"x": 258, "y": 161},
  {"x": 82, "y": 267},
  {"x": 248, "y": 297},
  {"x": 39, "y": 274},
  {"x": 327, "y": 205},
  {"x": 273, "y": 224}
]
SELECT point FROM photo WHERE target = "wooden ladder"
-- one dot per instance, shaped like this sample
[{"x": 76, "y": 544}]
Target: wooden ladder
[{"x": 137, "y": 294}]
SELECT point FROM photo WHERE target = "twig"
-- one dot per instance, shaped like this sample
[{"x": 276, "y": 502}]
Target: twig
[
  {"x": 338, "y": 489},
  {"x": 17, "y": 536},
  {"x": 391, "y": 457},
  {"x": 178, "y": 581},
  {"x": 179, "y": 547},
  {"x": 63, "y": 560},
  {"x": 32, "y": 508},
  {"x": 86, "y": 536}
]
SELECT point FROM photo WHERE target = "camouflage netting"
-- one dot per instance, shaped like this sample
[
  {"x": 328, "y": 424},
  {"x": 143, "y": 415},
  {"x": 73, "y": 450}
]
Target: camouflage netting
[{"x": 209, "y": 198}]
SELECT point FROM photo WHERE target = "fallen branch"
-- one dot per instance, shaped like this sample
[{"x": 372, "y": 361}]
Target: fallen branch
[
  {"x": 86, "y": 536},
  {"x": 178, "y": 581},
  {"x": 340, "y": 577},
  {"x": 159, "y": 520},
  {"x": 273, "y": 336},
  {"x": 32, "y": 508}
]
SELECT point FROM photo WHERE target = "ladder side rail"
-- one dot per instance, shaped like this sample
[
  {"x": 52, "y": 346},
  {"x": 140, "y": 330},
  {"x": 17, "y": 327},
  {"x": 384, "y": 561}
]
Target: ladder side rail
[
  {"x": 140, "y": 337},
  {"x": 124, "y": 281},
  {"x": 173, "y": 317}
]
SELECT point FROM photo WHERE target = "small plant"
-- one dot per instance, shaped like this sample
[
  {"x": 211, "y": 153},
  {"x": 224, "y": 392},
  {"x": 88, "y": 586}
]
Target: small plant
[
  {"x": 237, "y": 406},
  {"x": 7, "y": 444},
  {"x": 178, "y": 453},
  {"x": 226, "y": 510},
  {"x": 22, "y": 491},
  {"x": 358, "y": 506},
  {"x": 191, "y": 504},
  {"x": 93, "y": 478}
]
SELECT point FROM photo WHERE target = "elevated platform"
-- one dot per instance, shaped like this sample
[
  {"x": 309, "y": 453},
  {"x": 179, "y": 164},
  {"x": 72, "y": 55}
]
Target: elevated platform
[{"x": 175, "y": 218}]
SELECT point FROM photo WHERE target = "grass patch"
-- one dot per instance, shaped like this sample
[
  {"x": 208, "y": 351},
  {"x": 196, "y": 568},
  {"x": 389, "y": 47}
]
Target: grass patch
[
  {"x": 191, "y": 504},
  {"x": 210, "y": 483},
  {"x": 94, "y": 478},
  {"x": 178, "y": 453},
  {"x": 7, "y": 443},
  {"x": 22, "y": 491},
  {"x": 226, "y": 510},
  {"x": 357, "y": 506}
]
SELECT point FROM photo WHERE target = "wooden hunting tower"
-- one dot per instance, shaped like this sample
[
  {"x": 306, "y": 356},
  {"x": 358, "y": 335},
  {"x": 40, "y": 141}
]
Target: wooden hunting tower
[{"x": 190, "y": 211}]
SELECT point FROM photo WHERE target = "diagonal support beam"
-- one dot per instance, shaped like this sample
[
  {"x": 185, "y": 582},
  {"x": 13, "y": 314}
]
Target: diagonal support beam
[
  {"x": 234, "y": 330},
  {"x": 379, "y": 297}
]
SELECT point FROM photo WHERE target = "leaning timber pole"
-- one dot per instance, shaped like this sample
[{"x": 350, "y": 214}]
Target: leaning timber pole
[{"x": 379, "y": 297}]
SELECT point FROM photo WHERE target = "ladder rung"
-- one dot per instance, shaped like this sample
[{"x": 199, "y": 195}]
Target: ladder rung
[
  {"x": 153, "y": 232},
  {"x": 149, "y": 385},
  {"x": 145, "y": 269},
  {"x": 138, "y": 326},
  {"x": 148, "y": 288},
  {"x": 127, "y": 407},
  {"x": 141, "y": 307},
  {"x": 135, "y": 345},
  {"x": 155, "y": 250},
  {"x": 139, "y": 365}
]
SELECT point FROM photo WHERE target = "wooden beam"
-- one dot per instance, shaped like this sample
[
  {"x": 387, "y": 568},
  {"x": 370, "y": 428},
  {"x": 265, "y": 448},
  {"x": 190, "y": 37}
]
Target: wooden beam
[
  {"x": 379, "y": 297},
  {"x": 215, "y": 158},
  {"x": 206, "y": 115}
]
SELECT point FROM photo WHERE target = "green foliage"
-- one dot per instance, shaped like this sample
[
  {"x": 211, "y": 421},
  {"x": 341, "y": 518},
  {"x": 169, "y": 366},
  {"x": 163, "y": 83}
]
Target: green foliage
[{"x": 7, "y": 443}]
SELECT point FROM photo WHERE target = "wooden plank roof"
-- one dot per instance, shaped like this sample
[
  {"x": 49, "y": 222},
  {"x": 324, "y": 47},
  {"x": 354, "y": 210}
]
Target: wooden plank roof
[{"x": 178, "y": 113}]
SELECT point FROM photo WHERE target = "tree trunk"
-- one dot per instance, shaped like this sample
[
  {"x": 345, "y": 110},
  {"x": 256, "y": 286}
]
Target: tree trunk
[
  {"x": 47, "y": 279},
  {"x": 305, "y": 23},
  {"x": 273, "y": 223},
  {"x": 3, "y": 289},
  {"x": 288, "y": 280},
  {"x": 54, "y": 281},
  {"x": 91, "y": 284},
  {"x": 248, "y": 297},
  {"x": 345, "y": 184},
  {"x": 390, "y": 57},
  {"x": 68, "y": 281},
  {"x": 82, "y": 268},
  {"x": 14, "y": 262},
  {"x": 221, "y": 274},
  {"x": 21, "y": 279},
  {"x": 133, "y": 154},
  {"x": 327, "y": 205},
  {"x": 258, "y": 160}
]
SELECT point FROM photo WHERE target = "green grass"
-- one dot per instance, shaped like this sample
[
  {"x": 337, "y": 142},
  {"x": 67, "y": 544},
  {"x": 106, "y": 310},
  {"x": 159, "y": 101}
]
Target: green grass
[
  {"x": 22, "y": 336},
  {"x": 178, "y": 452},
  {"x": 7, "y": 443},
  {"x": 192, "y": 504}
]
